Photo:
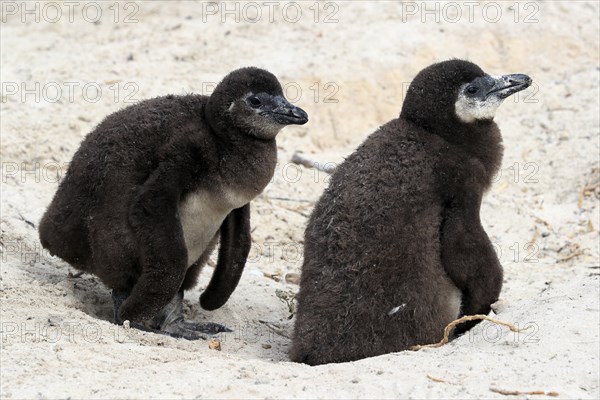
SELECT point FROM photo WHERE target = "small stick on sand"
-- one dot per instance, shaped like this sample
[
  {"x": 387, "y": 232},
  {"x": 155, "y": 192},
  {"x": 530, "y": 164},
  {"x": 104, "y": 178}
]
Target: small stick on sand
[
  {"x": 275, "y": 328},
  {"x": 433, "y": 378},
  {"x": 275, "y": 276},
  {"x": 576, "y": 253},
  {"x": 518, "y": 393},
  {"x": 301, "y": 159},
  {"x": 466, "y": 318}
]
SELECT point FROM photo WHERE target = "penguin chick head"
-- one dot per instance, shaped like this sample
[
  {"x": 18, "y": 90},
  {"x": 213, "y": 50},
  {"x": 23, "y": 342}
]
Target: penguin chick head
[
  {"x": 251, "y": 100},
  {"x": 480, "y": 98},
  {"x": 457, "y": 92}
]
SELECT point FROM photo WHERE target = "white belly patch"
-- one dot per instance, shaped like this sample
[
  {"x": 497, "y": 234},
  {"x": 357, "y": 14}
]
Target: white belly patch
[
  {"x": 201, "y": 215},
  {"x": 454, "y": 301}
]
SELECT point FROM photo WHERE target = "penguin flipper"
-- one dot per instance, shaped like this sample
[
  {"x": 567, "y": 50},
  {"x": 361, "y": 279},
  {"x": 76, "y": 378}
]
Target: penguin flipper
[
  {"x": 233, "y": 252},
  {"x": 469, "y": 258},
  {"x": 153, "y": 218}
]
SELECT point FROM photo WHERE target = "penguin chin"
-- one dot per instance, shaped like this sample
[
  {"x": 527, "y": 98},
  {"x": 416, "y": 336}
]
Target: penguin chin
[
  {"x": 265, "y": 131},
  {"x": 470, "y": 109}
]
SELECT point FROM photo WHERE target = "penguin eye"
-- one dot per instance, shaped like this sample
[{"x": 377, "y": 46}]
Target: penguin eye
[
  {"x": 472, "y": 89},
  {"x": 254, "y": 101}
]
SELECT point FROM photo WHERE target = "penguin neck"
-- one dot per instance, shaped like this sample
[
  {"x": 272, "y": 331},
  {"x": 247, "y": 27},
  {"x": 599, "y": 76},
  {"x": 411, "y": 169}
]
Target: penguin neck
[
  {"x": 481, "y": 140},
  {"x": 246, "y": 163}
]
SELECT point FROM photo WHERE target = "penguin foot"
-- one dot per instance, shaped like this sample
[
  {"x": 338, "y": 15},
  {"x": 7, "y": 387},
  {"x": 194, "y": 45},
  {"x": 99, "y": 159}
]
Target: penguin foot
[
  {"x": 118, "y": 299},
  {"x": 192, "y": 330},
  {"x": 170, "y": 320}
]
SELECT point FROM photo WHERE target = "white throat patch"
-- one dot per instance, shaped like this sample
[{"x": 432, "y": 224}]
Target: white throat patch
[{"x": 471, "y": 109}]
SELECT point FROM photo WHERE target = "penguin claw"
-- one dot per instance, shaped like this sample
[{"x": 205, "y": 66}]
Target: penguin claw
[
  {"x": 174, "y": 333},
  {"x": 193, "y": 330},
  {"x": 210, "y": 328},
  {"x": 180, "y": 332}
]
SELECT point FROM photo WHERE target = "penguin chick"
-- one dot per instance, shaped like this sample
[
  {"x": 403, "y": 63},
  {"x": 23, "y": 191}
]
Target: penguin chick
[
  {"x": 152, "y": 188},
  {"x": 394, "y": 249}
]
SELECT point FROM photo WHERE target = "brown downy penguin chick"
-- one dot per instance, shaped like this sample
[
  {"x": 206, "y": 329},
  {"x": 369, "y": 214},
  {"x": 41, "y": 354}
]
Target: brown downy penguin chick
[
  {"x": 394, "y": 249},
  {"x": 154, "y": 185}
]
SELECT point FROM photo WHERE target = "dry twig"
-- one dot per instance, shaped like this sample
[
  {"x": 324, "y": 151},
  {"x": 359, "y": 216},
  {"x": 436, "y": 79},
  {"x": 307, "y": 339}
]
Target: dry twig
[
  {"x": 459, "y": 321},
  {"x": 518, "y": 393},
  {"x": 576, "y": 252},
  {"x": 275, "y": 276},
  {"x": 433, "y": 378},
  {"x": 275, "y": 328},
  {"x": 301, "y": 159}
]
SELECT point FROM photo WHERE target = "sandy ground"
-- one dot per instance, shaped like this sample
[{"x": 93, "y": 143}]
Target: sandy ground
[{"x": 63, "y": 73}]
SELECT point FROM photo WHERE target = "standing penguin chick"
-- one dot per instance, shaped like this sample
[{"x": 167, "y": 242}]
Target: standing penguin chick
[
  {"x": 394, "y": 249},
  {"x": 154, "y": 185}
]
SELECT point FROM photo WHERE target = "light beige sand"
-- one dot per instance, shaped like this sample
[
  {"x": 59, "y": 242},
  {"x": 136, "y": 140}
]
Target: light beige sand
[{"x": 57, "y": 340}]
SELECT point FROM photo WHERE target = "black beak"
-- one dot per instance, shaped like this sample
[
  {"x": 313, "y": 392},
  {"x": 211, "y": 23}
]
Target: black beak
[
  {"x": 285, "y": 113},
  {"x": 506, "y": 85}
]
